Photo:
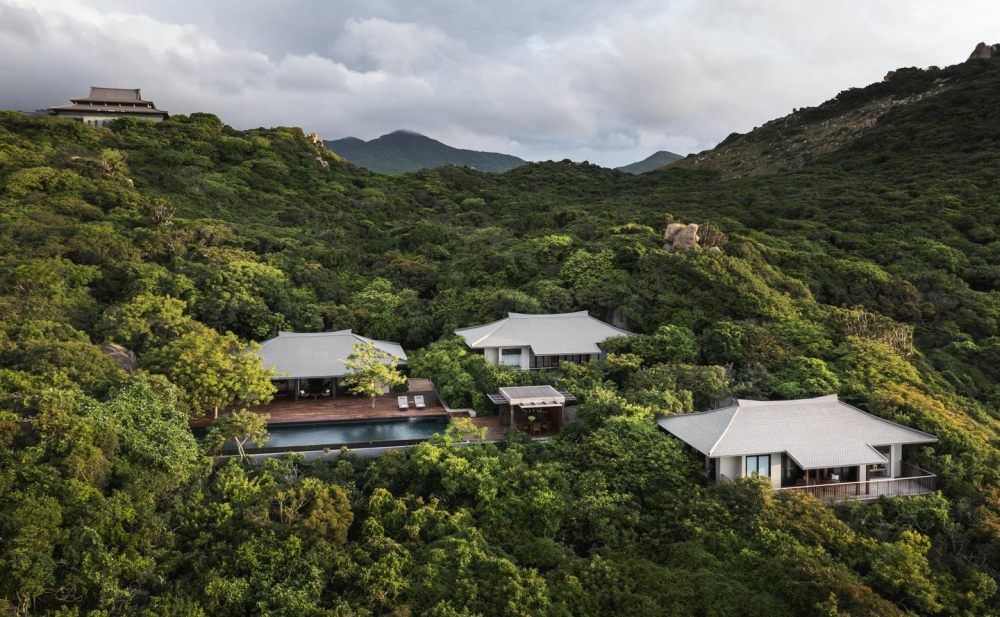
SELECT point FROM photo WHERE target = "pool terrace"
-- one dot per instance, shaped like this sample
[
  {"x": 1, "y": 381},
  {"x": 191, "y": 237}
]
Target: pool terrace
[{"x": 327, "y": 409}]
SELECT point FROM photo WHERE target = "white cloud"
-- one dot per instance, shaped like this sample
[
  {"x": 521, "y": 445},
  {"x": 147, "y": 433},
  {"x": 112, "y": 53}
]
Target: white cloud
[{"x": 552, "y": 79}]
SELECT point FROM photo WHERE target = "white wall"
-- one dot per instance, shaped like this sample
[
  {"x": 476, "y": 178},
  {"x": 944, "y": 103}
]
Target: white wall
[
  {"x": 735, "y": 467},
  {"x": 776, "y": 469},
  {"x": 729, "y": 466},
  {"x": 101, "y": 120},
  {"x": 895, "y": 460},
  {"x": 493, "y": 355}
]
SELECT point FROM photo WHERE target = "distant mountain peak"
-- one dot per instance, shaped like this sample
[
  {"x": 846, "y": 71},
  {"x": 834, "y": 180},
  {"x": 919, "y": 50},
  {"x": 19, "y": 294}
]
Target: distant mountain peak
[
  {"x": 403, "y": 151},
  {"x": 656, "y": 160}
]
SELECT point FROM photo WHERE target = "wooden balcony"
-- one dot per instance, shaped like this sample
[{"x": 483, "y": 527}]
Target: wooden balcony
[{"x": 916, "y": 482}]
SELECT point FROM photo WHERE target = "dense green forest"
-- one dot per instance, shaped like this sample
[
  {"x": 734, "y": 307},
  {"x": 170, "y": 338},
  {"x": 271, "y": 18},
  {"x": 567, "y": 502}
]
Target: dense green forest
[{"x": 871, "y": 270}]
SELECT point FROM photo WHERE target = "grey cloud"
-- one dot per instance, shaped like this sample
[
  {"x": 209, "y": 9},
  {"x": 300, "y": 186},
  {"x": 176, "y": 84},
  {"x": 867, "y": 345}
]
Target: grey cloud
[{"x": 608, "y": 82}]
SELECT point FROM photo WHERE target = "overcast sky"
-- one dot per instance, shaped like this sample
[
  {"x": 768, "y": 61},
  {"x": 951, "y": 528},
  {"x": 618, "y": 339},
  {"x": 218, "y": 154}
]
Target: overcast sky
[{"x": 610, "y": 82}]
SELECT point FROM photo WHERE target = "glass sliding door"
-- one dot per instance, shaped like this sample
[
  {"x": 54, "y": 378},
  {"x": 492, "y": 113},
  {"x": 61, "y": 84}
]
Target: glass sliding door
[
  {"x": 759, "y": 466},
  {"x": 510, "y": 357}
]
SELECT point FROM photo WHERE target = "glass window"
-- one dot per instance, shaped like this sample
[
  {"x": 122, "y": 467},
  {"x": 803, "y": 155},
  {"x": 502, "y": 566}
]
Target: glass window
[
  {"x": 510, "y": 357},
  {"x": 759, "y": 466}
]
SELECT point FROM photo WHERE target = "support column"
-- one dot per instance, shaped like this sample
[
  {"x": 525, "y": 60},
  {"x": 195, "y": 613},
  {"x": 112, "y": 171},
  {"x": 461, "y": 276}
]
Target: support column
[{"x": 895, "y": 460}]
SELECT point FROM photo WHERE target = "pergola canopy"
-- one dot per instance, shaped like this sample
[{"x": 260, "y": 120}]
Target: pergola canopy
[{"x": 533, "y": 396}]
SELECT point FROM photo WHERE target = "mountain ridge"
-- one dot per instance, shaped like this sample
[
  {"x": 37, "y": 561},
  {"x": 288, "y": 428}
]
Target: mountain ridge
[
  {"x": 404, "y": 151},
  {"x": 656, "y": 160},
  {"x": 793, "y": 141}
]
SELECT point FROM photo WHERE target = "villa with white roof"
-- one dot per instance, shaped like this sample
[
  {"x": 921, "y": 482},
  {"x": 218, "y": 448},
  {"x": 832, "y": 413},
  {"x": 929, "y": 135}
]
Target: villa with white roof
[
  {"x": 821, "y": 446},
  {"x": 533, "y": 342},
  {"x": 312, "y": 363}
]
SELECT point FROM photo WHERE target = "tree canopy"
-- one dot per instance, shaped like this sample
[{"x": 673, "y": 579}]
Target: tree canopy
[{"x": 867, "y": 269}]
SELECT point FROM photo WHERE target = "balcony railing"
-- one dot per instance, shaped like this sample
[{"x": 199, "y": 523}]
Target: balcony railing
[{"x": 917, "y": 482}]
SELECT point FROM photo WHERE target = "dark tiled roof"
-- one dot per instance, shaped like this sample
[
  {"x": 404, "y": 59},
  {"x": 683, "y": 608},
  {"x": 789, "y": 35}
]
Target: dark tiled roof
[
  {"x": 111, "y": 101},
  {"x": 124, "y": 95},
  {"x": 110, "y": 109}
]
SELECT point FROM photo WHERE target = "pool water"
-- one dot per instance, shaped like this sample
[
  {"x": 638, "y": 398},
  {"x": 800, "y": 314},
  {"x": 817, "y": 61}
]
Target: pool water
[{"x": 357, "y": 433}]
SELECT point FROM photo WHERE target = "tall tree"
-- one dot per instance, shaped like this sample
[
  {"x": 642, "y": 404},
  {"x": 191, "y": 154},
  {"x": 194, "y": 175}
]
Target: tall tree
[
  {"x": 240, "y": 427},
  {"x": 371, "y": 370},
  {"x": 215, "y": 371}
]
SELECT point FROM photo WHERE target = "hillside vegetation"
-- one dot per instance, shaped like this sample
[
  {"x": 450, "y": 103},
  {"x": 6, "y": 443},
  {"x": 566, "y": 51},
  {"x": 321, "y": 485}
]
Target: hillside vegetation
[{"x": 869, "y": 268}]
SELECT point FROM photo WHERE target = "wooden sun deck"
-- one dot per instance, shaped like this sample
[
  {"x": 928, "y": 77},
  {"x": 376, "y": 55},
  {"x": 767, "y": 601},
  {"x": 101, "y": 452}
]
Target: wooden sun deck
[
  {"x": 342, "y": 408},
  {"x": 495, "y": 431}
]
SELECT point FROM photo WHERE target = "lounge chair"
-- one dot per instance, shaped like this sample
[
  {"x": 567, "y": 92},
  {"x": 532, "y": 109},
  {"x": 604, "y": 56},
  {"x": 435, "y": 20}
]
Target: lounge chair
[
  {"x": 403, "y": 404},
  {"x": 418, "y": 401}
]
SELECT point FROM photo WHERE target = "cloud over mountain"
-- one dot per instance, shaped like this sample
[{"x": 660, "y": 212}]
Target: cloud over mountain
[{"x": 585, "y": 80}]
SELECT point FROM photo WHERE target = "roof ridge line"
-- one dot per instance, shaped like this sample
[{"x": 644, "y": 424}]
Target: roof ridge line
[
  {"x": 724, "y": 431},
  {"x": 813, "y": 400},
  {"x": 875, "y": 450},
  {"x": 500, "y": 323},
  {"x": 515, "y": 315},
  {"x": 897, "y": 424}
]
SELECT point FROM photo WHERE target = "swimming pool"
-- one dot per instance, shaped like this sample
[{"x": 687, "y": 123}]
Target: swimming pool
[{"x": 351, "y": 433}]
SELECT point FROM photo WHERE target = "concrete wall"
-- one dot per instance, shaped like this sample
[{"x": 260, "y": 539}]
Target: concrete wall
[
  {"x": 895, "y": 460},
  {"x": 493, "y": 356},
  {"x": 776, "y": 469},
  {"x": 729, "y": 466},
  {"x": 735, "y": 467},
  {"x": 102, "y": 119}
]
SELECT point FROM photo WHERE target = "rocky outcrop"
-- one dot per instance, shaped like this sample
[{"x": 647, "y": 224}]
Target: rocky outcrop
[
  {"x": 124, "y": 358},
  {"x": 686, "y": 238},
  {"x": 672, "y": 230},
  {"x": 679, "y": 237},
  {"x": 985, "y": 52}
]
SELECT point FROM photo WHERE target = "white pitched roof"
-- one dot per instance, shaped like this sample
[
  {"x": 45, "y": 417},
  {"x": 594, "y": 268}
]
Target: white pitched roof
[
  {"x": 816, "y": 433},
  {"x": 547, "y": 335},
  {"x": 301, "y": 355}
]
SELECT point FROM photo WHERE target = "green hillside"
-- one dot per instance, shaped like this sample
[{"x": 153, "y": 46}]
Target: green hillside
[
  {"x": 865, "y": 264},
  {"x": 656, "y": 160},
  {"x": 405, "y": 151}
]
